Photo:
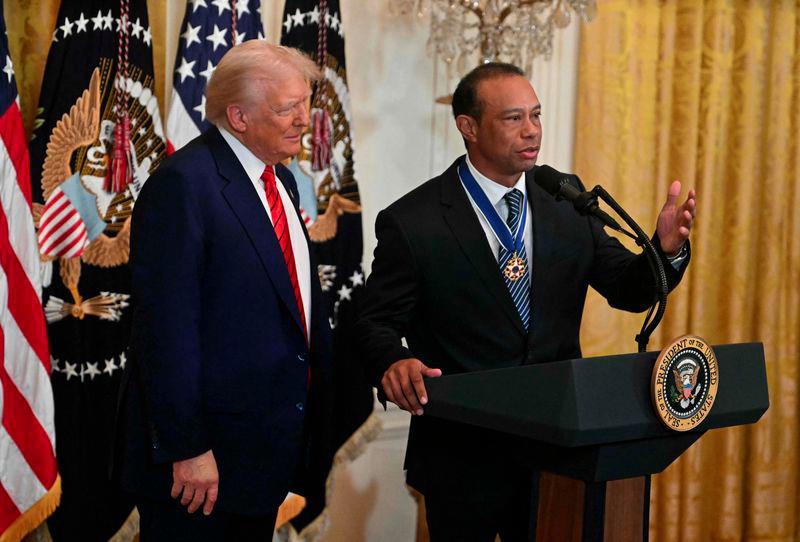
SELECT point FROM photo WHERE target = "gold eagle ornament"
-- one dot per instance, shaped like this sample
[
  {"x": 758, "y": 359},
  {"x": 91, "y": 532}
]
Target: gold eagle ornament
[
  {"x": 79, "y": 128},
  {"x": 324, "y": 229}
]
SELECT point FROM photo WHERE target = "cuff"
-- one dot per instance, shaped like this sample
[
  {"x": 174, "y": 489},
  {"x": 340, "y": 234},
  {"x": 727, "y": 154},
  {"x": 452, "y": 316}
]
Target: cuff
[{"x": 677, "y": 260}]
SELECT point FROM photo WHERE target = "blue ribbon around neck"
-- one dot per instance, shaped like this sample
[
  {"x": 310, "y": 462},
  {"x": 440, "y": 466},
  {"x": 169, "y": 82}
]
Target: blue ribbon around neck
[{"x": 511, "y": 241}]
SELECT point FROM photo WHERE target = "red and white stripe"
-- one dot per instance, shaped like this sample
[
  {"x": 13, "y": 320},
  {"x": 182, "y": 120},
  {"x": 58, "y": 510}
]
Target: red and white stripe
[
  {"x": 27, "y": 431},
  {"x": 62, "y": 232},
  {"x": 306, "y": 219},
  {"x": 181, "y": 129}
]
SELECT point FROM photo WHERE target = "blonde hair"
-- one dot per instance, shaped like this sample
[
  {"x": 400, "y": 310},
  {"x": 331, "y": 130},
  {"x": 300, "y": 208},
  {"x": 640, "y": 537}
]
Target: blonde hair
[{"x": 238, "y": 77}]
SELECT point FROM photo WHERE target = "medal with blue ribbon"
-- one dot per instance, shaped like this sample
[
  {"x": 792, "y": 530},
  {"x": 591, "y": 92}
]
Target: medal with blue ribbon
[{"x": 512, "y": 241}]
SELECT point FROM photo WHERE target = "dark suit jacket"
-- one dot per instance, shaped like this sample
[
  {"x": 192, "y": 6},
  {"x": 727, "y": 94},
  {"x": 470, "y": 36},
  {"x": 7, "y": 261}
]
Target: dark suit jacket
[
  {"x": 220, "y": 360},
  {"x": 436, "y": 282}
]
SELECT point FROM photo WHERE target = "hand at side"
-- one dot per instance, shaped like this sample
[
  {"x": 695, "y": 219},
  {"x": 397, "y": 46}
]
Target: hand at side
[
  {"x": 403, "y": 385},
  {"x": 197, "y": 480}
]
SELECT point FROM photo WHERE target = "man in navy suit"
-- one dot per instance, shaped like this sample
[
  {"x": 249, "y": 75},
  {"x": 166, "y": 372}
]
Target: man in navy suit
[{"x": 227, "y": 396}]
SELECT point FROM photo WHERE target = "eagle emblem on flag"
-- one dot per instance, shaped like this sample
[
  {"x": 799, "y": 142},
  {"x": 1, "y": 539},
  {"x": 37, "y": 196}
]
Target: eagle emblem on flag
[{"x": 82, "y": 219}]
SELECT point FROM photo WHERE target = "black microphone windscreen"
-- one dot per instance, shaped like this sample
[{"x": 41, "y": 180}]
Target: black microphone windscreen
[{"x": 548, "y": 178}]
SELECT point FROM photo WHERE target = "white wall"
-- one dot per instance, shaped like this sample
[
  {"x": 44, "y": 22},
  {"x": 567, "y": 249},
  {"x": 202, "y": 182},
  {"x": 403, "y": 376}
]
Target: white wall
[{"x": 402, "y": 138}]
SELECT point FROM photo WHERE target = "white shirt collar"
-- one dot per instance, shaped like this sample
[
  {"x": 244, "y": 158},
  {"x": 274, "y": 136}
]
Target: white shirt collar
[
  {"x": 495, "y": 191},
  {"x": 253, "y": 167}
]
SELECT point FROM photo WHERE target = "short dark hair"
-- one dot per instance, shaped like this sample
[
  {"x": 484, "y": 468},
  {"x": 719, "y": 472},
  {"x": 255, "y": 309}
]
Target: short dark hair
[{"x": 465, "y": 98}]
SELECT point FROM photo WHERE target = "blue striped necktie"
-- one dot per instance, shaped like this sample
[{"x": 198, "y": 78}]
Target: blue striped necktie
[{"x": 520, "y": 289}]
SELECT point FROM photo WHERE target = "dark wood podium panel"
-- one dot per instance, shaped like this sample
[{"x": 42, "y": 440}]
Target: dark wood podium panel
[
  {"x": 625, "y": 509},
  {"x": 571, "y": 510},
  {"x": 560, "y": 508}
]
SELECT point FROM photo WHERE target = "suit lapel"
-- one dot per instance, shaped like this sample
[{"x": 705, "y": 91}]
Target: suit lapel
[
  {"x": 466, "y": 228},
  {"x": 286, "y": 178},
  {"x": 544, "y": 235},
  {"x": 240, "y": 194}
]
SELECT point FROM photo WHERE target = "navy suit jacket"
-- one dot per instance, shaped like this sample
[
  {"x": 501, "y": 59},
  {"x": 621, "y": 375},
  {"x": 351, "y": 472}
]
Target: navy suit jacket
[{"x": 219, "y": 357}]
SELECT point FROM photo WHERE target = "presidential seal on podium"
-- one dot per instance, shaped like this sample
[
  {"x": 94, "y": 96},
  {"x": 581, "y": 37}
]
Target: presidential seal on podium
[{"x": 684, "y": 382}]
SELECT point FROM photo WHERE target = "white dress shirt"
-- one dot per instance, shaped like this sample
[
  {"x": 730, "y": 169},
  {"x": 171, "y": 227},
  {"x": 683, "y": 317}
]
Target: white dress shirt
[
  {"x": 494, "y": 193},
  {"x": 254, "y": 167}
]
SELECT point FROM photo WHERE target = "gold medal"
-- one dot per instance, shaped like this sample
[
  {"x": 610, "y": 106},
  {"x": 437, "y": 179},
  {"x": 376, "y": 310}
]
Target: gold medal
[{"x": 515, "y": 268}]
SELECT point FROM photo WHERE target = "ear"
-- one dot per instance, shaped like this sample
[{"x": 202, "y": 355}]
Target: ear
[
  {"x": 237, "y": 118},
  {"x": 468, "y": 127}
]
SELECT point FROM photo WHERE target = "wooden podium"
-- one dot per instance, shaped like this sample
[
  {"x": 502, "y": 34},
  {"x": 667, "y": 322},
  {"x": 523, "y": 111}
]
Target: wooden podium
[{"x": 590, "y": 427}]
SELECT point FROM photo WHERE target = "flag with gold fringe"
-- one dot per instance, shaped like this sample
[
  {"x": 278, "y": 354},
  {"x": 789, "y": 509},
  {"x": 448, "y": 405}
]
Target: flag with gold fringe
[
  {"x": 97, "y": 137},
  {"x": 29, "y": 482}
]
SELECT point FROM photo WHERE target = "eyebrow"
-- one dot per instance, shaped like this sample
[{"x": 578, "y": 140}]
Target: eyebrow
[
  {"x": 520, "y": 109},
  {"x": 287, "y": 105}
]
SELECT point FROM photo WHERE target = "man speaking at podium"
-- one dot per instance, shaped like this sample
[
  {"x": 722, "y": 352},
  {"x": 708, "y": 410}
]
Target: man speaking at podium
[{"x": 480, "y": 268}]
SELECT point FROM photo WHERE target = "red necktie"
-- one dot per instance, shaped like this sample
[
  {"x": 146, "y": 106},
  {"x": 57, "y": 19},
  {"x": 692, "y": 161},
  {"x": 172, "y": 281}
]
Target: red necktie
[{"x": 284, "y": 239}]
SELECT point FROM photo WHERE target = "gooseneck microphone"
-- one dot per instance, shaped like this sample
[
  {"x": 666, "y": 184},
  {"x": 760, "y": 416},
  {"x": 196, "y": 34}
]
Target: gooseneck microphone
[
  {"x": 557, "y": 184},
  {"x": 585, "y": 202}
]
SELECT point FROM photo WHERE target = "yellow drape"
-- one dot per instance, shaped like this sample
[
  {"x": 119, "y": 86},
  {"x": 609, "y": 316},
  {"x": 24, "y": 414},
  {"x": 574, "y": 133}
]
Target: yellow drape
[
  {"x": 709, "y": 92},
  {"x": 30, "y": 26}
]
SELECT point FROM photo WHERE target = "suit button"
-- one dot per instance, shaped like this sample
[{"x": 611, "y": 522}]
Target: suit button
[
  {"x": 155, "y": 445},
  {"x": 301, "y": 358},
  {"x": 299, "y": 406}
]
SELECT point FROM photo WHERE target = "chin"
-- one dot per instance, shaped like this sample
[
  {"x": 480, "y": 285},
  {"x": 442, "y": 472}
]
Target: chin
[
  {"x": 293, "y": 150},
  {"x": 526, "y": 165}
]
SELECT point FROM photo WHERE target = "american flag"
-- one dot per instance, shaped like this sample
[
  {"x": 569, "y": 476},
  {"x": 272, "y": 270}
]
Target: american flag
[
  {"x": 206, "y": 35},
  {"x": 29, "y": 483},
  {"x": 68, "y": 217}
]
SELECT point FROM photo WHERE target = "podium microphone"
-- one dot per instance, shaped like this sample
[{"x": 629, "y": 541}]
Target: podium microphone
[{"x": 557, "y": 184}]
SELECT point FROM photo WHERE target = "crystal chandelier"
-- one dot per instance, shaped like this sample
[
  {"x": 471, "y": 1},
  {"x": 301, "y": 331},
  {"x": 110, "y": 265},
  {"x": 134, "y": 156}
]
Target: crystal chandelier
[{"x": 514, "y": 31}]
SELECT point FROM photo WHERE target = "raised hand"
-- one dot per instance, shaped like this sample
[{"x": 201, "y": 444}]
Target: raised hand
[{"x": 675, "y": 222}]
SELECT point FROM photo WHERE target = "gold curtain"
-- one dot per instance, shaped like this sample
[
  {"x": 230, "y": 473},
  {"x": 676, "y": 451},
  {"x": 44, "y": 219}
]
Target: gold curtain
[
  {"x": 30, "y": 26},
  {"x": 709, "y": 92}
]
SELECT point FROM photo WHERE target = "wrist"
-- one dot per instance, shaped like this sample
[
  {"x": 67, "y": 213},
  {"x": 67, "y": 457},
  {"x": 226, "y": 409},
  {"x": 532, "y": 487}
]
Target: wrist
[{"x": 681, "y": 252}]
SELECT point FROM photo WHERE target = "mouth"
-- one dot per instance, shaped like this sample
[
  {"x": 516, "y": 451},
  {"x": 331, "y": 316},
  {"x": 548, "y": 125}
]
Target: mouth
[{"x": 530, "y": 153}]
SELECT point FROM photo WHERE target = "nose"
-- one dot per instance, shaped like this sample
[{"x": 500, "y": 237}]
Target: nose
[
  {"x": 530, "y": 128},
  {"x": 302, "y": 117}
]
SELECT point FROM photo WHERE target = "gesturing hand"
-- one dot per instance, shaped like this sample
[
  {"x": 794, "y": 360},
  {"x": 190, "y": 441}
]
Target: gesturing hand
[
  {"x": 674, "y": 222},
  {"x": 198, "y": 479},
  {"x": 402, "y": 383}
]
